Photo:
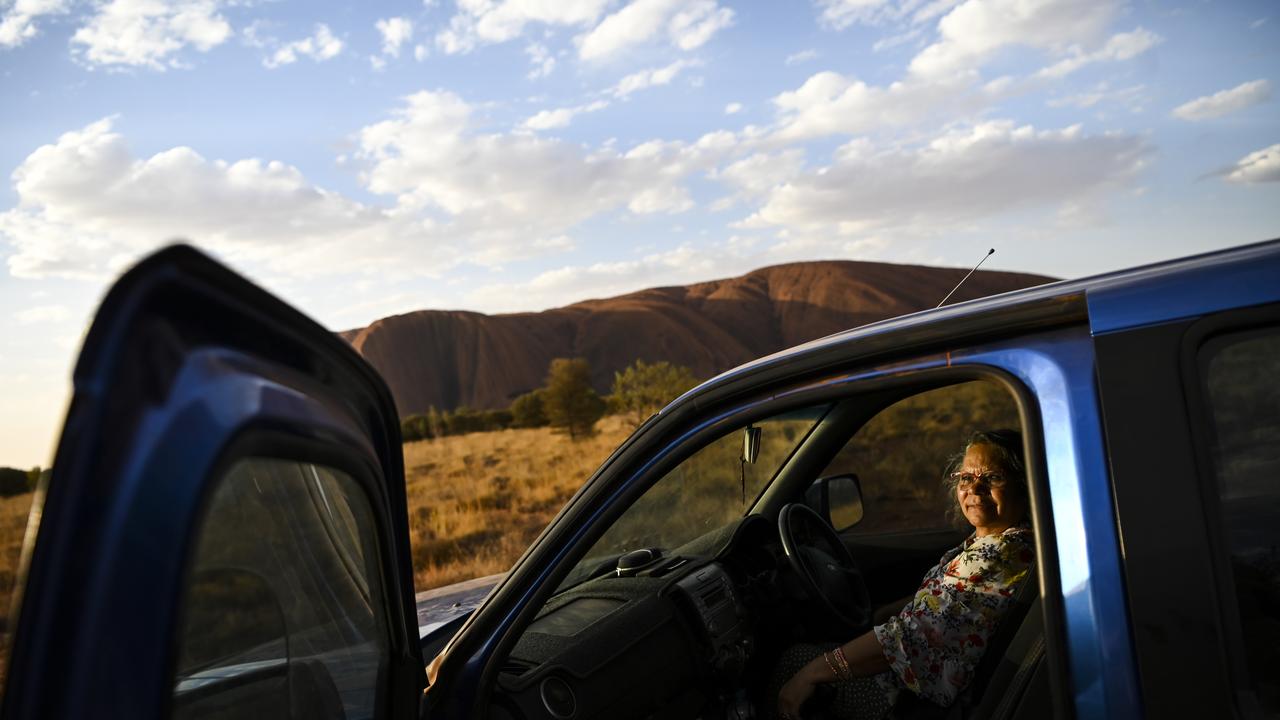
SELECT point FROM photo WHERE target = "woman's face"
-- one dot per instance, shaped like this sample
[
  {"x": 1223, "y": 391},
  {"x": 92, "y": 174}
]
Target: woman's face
[{"x": 989, "y": 509}]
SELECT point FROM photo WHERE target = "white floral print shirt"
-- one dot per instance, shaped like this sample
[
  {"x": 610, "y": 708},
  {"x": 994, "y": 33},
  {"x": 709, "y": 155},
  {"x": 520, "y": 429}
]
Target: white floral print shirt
[{"x": 935, "y": 643}]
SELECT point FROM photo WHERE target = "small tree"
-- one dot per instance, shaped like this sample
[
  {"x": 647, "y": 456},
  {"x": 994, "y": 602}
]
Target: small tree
[
  {"x": 571, "y": 405},
  {"x": 435, "y": 422},
  {"x": 529, "y": 410},
  {"x": 491, "y": 420},
  {"x": 12, "y": 481},
  {"x": 643, "y": 389},
  {"x": 414, "y": 428}
]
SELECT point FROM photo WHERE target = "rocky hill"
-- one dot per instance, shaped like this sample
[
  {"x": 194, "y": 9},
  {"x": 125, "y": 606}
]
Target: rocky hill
[{"x": 449, "y": 359}]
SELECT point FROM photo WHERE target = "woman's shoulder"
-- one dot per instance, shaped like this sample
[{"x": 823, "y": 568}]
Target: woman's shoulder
[
  {"x": 1021, "y": 534},
  {"x": 1009, "y": 552}
]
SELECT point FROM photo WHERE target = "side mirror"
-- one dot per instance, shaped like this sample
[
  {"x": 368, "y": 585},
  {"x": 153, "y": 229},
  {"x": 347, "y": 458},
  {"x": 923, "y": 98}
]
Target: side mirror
[
  {"x": 838, "y": 499},
  {"x": 750, "y": 444}
]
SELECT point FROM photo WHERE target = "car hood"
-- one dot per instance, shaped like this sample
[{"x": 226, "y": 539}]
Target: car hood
[{"x": 440, "y": 607}]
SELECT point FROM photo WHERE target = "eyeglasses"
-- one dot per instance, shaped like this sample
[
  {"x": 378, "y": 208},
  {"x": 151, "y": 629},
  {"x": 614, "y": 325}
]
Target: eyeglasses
[{"x": 966, "y": 480}]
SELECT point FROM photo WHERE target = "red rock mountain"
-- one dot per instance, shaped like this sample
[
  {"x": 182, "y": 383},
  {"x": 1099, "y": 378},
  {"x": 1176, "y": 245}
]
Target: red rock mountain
[{"x": 449, "y": 359}]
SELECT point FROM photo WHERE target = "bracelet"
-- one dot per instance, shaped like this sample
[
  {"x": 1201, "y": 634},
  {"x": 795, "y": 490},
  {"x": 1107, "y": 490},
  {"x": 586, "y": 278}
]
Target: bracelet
[
  {"x": 835, "y": 670},
  {"x": 845, "y": 672}
]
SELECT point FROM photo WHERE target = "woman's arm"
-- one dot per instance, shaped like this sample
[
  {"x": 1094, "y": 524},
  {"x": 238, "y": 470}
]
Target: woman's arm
[{"x": 864, "y": 656}]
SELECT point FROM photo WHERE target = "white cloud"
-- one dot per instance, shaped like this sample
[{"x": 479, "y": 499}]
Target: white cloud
[
  {"x": 87, "y": 207},
  {"x": 1225, "y": 102},
  {"x": 733, "y": 108},
  {"x": 1257, "y": 167},
  {"x": 761, "y": 173},
  {"x": 962, "y": 175},
  {"x": 395, "y": 32},
  {"x": 560, "y": 117},
  {"x": 43, "y": 314},
  {"x": 933, "y": 10},
  {"x": 686, "y": 24},
  {"x": 650, "y": 77},
  {"x": 147, "y": 33},
  {"x": 17, "y": 24},
  {"x": 828, "y": 103},
  {"x": 420, "y": 52},
  {"x": 541, "y": 59},
  {"x": 501, "y": 190},
  {"x": 892, "y": 41},
  {"x": 1133, "y": 96},
  {"x": 321, "y": 46},
  {"x": 976, "y": 29},
  {"x": 840, "y": 14},
  {"x": 802, "y": 56},
  {"x": 565, "y": 285},
  {"x": 1122, "y": 46},
  {"x": 1258, "y": 23},
  {"x": 480, "y": 22}
]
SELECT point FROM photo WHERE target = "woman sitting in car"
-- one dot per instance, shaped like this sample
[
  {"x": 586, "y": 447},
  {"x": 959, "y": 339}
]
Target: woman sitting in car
[{"x": 932, "y": 647}]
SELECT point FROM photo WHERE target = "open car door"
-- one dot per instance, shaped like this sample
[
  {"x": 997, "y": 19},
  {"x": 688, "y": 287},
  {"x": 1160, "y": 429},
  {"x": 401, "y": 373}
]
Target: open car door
[{"x": 224, "y": 534}]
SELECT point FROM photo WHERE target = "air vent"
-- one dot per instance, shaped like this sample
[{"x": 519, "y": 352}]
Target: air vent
[
  {"x": 558, "y": 698},
  {"x": 516, "y": 666}
]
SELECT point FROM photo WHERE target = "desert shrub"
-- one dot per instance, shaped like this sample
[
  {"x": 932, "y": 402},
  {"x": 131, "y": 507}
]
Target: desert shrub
[
  {"x": 643, "y": 389},
  {"x": 529, "y": 410},
  {"x": 571, "y": 404},
  {"x": 14, "y": 481}
]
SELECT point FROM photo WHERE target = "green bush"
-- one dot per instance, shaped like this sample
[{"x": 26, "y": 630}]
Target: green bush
[
  {"x": 571, "y": 404},
  {"x": 643, "y": 389}
]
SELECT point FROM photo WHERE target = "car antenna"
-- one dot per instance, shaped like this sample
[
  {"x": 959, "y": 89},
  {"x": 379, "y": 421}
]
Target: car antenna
[{"x": 990, "y": 252}]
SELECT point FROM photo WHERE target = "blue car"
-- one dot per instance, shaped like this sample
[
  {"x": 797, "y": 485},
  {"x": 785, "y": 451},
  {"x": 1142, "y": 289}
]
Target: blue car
[{"x": 225, "y": 532}]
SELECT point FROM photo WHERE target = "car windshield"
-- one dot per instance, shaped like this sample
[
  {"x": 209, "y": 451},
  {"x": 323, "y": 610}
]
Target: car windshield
[{"x": 705, "y": 492}]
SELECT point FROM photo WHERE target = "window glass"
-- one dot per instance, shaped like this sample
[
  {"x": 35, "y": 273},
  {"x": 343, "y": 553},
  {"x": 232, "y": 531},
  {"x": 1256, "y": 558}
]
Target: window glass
[
  {"x": 283, "y": 612},
  {"x": 1241, "y": 374},
  {"x": 900, "y": 454},
  {"x": 705, "y": 492}
]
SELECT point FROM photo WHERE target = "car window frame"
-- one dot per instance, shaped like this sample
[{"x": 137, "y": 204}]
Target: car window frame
[
  {"x": 1201, "y": 341},
  {"x": 264, "y": 441}
]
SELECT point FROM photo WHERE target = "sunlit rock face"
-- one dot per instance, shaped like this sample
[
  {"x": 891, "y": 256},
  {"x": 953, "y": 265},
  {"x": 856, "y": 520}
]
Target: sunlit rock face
[{"x": 449, "y": 359}]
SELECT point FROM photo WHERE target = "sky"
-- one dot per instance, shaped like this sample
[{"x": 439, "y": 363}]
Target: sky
[{"x": 369, "y": 159}]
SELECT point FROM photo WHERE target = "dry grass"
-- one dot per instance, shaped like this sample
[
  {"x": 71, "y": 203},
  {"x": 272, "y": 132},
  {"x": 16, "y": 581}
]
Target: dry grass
[
  {"x": 13, "y": 526},
  {"x": 477, "y": 501}
]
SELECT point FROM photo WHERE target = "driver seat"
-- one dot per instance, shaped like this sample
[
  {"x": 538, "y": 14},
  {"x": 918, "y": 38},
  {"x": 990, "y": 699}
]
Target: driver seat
[{"x": 1012, "y": 670}]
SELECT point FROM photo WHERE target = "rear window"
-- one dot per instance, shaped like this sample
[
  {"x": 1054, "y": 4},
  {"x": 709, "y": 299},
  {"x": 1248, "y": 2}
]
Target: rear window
[{"x": 1240, "y": 373}]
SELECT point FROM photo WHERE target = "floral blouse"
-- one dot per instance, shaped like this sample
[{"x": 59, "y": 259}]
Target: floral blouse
[{"x": 934, "y": 644}]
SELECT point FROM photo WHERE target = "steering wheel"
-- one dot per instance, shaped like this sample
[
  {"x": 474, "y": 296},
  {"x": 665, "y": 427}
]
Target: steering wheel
[{"x": 826, "y": 570}]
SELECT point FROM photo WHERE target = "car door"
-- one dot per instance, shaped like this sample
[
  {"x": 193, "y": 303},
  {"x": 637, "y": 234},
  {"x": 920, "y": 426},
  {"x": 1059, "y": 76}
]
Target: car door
[
  {"x": 224, "y": 533},
  {"x": 1187, "y": 364}
]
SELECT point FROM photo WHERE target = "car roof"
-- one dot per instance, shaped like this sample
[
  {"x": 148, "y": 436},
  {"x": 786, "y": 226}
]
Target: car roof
[{"x": 1054, "y": 304}]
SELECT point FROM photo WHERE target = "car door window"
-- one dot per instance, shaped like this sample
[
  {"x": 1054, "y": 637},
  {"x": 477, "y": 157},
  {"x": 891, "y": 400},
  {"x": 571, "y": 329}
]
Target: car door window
[
  {"x": 283, "y": 612},
  {"x": 1240, "y": 374},
  {"x": 899, "y": 455},
  {"x": 707, "y": 491}
]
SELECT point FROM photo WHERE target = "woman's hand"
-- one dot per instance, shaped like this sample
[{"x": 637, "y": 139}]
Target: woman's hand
[{"x": 798, "y": 689}]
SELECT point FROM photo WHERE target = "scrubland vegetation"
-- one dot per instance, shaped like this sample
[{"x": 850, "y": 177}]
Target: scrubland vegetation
[{"x": 476, "y": 501}]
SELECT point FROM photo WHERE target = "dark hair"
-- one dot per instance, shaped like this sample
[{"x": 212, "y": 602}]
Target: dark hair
[{"x": 1007, "y": 443}]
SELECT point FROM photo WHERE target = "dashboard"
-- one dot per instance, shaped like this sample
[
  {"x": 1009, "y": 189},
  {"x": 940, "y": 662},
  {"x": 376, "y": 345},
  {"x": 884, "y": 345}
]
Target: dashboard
[{"x": 664, "y": 633}]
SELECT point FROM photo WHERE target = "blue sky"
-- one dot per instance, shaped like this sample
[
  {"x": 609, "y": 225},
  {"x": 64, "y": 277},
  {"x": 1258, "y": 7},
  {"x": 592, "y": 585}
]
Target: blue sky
[{"x": 503, "y": 155}]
